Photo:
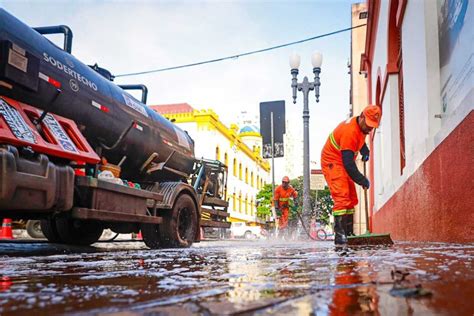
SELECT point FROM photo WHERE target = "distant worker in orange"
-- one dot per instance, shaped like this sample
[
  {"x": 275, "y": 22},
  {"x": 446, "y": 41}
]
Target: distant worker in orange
[
  {"x": 283, "y": 193},
  {"x": 339, "y": 168}
]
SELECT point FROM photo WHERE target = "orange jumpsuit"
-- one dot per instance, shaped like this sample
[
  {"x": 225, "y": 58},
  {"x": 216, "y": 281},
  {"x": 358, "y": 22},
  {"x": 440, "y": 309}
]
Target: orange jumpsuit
[
  {"x": 346, "y": 136},
  {"x": 282, "y": 198}
]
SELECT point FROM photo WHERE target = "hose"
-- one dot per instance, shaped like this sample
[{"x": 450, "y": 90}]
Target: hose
[{"x": 304, "y": 226}]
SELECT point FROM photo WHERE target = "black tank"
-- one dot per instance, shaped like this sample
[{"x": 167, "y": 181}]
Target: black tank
[{"x": 32, "y": 67}]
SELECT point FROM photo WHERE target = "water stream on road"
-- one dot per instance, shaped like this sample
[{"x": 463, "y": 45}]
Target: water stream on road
[{"x": 235, "y": 277}]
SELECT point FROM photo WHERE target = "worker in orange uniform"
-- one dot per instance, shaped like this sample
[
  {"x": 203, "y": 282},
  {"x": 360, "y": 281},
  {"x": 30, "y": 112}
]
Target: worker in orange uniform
[
  {"x": 282, "y": 196},
  {"x": 339, "y": 168}
]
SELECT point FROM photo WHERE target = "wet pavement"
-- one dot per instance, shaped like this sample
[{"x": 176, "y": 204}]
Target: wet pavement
[{"x": 237, "y": 277}]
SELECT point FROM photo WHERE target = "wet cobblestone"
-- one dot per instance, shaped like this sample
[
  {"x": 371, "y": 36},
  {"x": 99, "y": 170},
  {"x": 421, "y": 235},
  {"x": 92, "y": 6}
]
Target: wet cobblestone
[{"x": 235, "y": 277}]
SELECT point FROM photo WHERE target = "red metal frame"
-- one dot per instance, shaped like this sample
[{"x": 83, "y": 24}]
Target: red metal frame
[{"x": 46, "y": 142}]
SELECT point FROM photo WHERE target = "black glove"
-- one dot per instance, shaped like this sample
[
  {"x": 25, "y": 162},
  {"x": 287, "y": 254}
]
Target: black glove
[
  {"x": 366, "y": 183},
  {"x": 365, "y": 152},
  {"x": 277, "y": 211}
]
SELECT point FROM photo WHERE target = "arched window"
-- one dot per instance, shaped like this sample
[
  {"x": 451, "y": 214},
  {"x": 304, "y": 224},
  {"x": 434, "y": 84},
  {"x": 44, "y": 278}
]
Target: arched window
[
  {"x": 226, "y": 160},
  {"x": 395, "y": 66},
  {"x": 235, "y": 167},
  {"x": 246, "y": 204},
  {"x": 258, "y": 182},
  {"x": 240, "y": 171},
  {"x": 251, "y": 179},
  {"x": 234, "y": 202},
  {"x": 252, "y": 207},
  {"x": 247, "y": 175},
  {"x": 378, "y": 87},
  {"x": 240, "y": 202},
  {"x": 218, "y": 153}
]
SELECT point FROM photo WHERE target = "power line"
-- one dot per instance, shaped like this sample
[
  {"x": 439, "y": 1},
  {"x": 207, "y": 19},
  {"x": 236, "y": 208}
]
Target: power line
[{"x": 239, "y": 55}]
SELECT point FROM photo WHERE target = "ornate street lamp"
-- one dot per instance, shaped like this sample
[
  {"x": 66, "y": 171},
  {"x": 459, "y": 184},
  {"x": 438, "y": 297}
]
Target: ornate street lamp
[{"x": 306, "y": 86}]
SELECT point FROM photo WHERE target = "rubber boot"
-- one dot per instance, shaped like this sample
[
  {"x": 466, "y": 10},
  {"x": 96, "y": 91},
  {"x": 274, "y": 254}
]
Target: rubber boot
[
  {"x": 349, "y": 224},
  {"x": 340, "y": 237}
]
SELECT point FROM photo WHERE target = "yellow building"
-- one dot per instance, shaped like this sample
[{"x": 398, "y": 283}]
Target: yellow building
[{"x": 238, "y": 149}]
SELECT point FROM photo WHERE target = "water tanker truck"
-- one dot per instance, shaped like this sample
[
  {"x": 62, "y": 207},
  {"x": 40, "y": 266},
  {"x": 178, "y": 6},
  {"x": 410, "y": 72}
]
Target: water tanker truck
[{"x": 81, "y": 154}]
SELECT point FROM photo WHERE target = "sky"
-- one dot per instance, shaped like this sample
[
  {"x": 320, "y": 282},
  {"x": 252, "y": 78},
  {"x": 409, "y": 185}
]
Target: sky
[{"x": 131, "y": 36}]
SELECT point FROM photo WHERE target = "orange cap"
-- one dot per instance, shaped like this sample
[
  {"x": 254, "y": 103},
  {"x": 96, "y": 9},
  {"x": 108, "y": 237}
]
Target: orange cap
[
  {"x": 372, "y": 114},
  {"x": 285, "y": 179}
]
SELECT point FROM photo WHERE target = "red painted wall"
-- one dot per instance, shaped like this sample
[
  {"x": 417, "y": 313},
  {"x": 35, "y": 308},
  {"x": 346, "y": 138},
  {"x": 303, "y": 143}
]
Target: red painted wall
[{"x": 436, "y": 203}]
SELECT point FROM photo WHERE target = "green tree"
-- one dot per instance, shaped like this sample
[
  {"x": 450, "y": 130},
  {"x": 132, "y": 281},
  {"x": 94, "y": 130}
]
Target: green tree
[
  {"x": 264, "y": 202},
  {"x": 321, "y": 212},
  {"x": 325, "y": 205}
]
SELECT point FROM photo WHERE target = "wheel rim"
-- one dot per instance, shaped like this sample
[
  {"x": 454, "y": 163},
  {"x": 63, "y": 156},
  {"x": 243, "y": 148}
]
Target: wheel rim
[
  {"x": 184, "y": 222},
  {"x": 321, "y": 234},
  {"x": 37, "y": 227}
]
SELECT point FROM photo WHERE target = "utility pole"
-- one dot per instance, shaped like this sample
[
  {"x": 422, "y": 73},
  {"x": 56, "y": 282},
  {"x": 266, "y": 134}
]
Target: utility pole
[{"x": 273, "y": 170}]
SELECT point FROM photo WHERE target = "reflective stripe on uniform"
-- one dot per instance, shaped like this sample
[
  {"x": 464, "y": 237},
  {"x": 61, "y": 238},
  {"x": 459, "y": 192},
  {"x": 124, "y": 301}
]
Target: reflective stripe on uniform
[
  {"x": 343, "y": 212},
  {"x": 284, "y": 199},
  {"x": 333, "y": 141}
]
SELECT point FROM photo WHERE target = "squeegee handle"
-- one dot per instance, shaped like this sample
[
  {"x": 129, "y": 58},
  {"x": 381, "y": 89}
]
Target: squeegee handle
[{"x": 366, "y": 204}]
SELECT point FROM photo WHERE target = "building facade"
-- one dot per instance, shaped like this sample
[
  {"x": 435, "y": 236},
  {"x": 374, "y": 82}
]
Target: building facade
[
  {"x": 292, "y": 163},
  {"x": 238, "y": 149},
  {"x": 419, "y": 62},
  {"x": 358, "y": 95}
]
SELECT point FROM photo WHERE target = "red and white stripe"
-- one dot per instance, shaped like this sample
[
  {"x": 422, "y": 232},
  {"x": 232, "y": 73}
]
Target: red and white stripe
[
  {"x": 55, "y": 83},
  {"x": 167, "y": 142},
  {"x": 99, "y": 106},
  {"x": 138, "y": 126}
]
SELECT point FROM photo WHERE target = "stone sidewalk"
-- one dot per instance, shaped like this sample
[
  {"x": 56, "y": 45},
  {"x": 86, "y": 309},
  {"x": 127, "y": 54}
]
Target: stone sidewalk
[{"x": 237, "y": 277}]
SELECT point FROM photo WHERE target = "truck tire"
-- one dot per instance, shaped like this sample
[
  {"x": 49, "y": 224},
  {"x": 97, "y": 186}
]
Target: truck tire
[
  {"x": 78, "y": 232},
  {"x": 33, "y": 228},
  {"x": 248, "y": 234},
  {"x": 48, "y": 227},
  {"x": 179, "y": 225},
  {"x": 151, "y": 235}
]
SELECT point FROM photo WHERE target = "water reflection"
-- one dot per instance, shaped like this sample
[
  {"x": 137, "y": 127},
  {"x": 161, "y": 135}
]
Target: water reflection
[{"x": 350, "y": 295}]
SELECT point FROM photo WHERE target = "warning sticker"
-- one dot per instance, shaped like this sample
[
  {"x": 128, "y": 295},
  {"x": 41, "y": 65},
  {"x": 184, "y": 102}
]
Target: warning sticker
[
  {"x": 58, "y": 132},
  {"x": 18, "y": 49},
  {"x": 17, "y": 124},
  {"x": 182, "y": 138},
  {"x": 18, "y": 61},
  {"x": 134, "y": 105}
]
